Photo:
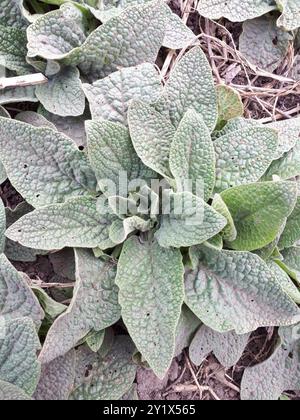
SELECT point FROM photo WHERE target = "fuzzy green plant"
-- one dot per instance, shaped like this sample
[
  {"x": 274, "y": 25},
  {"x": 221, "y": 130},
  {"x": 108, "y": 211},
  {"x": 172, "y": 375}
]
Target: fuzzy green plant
[{"x": 176, "y": 218}]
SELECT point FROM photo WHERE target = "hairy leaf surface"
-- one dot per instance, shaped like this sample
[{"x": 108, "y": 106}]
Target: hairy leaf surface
[
  {"x": 258, "y": 211},
  {"x": 150, "y": 279},
  {"x": 231, "y": 290},
  {"x": 94, "y": 306}
]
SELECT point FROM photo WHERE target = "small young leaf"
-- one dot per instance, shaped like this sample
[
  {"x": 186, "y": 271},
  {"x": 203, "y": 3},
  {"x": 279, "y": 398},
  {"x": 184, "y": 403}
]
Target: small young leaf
[
  {"x": 230, "y": 104},
  {"x": 243, "y": 156},
  {"x": 189, "y": 221},
  {"x": 231, "y": 290},
  {"x": 291, "y": 233},
  {"x": 192, "y": 156},
  {"x": 55, "y": 34},
  {"x": 150, "y": 279},
  {"x": 227, "y": 347},
  {"x": 269, "y": 44},
  {"x": 121, "y": 229},
  {"x": 72, "y": 127},
  {"x": 258, "y": 211},
  {"x": 13, "y": 250}
]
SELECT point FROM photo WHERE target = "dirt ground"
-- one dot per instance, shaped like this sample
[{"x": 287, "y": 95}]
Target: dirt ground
[{"x": 209, "y": 381}]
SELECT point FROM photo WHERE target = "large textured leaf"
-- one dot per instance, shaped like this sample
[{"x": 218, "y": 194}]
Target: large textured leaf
[
  {"x": 192, "y": 156},
  {"x": 281, "y": 372},
  {"x": 18, "y": 94},
  {"x": 16, "y": 298},
  {"x": 13, "y": 49},
  {"x": 152, "y": 135},
  {"x": 150, "y": 279},
  {"x": 112, "y": 155},
  {"x": 234, "y": 10},
  {"x": 231, "y": 290},
  {"x": 290, "y": 18},
  {"x": 18, "y": 354},
  {"x": 190, "y": 86},
  {"x": 109, "y": 97},
  {"x": 132, "y": 38},
  {"x": 189, "y": 221},
  {"x": 269, "y": 44},
  {"x": 10, "y": 392},
  {"x": 72, "y": 127},
  {"x": 10, "y": 14},
  {"x": 46, "y": 166},
  {"x": 35, "y": 119},
  {"x": 186, "y": 328},
  {"x": 284, "y": 280},
  {"x": 3, "y": 175},
  {"x": 286, "y": 167},
  {"x": 227, "y": 347},
  {"x": 95, "y": 340},
  {"x": 291, "y": 233},
  {"x": 111, "y": 376},
  {"x": 120, "y": 229},
  {"x": 243, "y": 156},
  {"x": 63, "y": 94},
  {"x": 52, "y": 308},
  {"x": 55, "y": 34},
  {"x": 57, "y": 379},
  {"x": 291, "y": 262},
  {"x": 259, "y": 210},
  {"x": 13, "y": 250},
  {"x": 75, "y": 223},
  {"x": 94, "y": 306},
  {"x": 229, "y": 232}
]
